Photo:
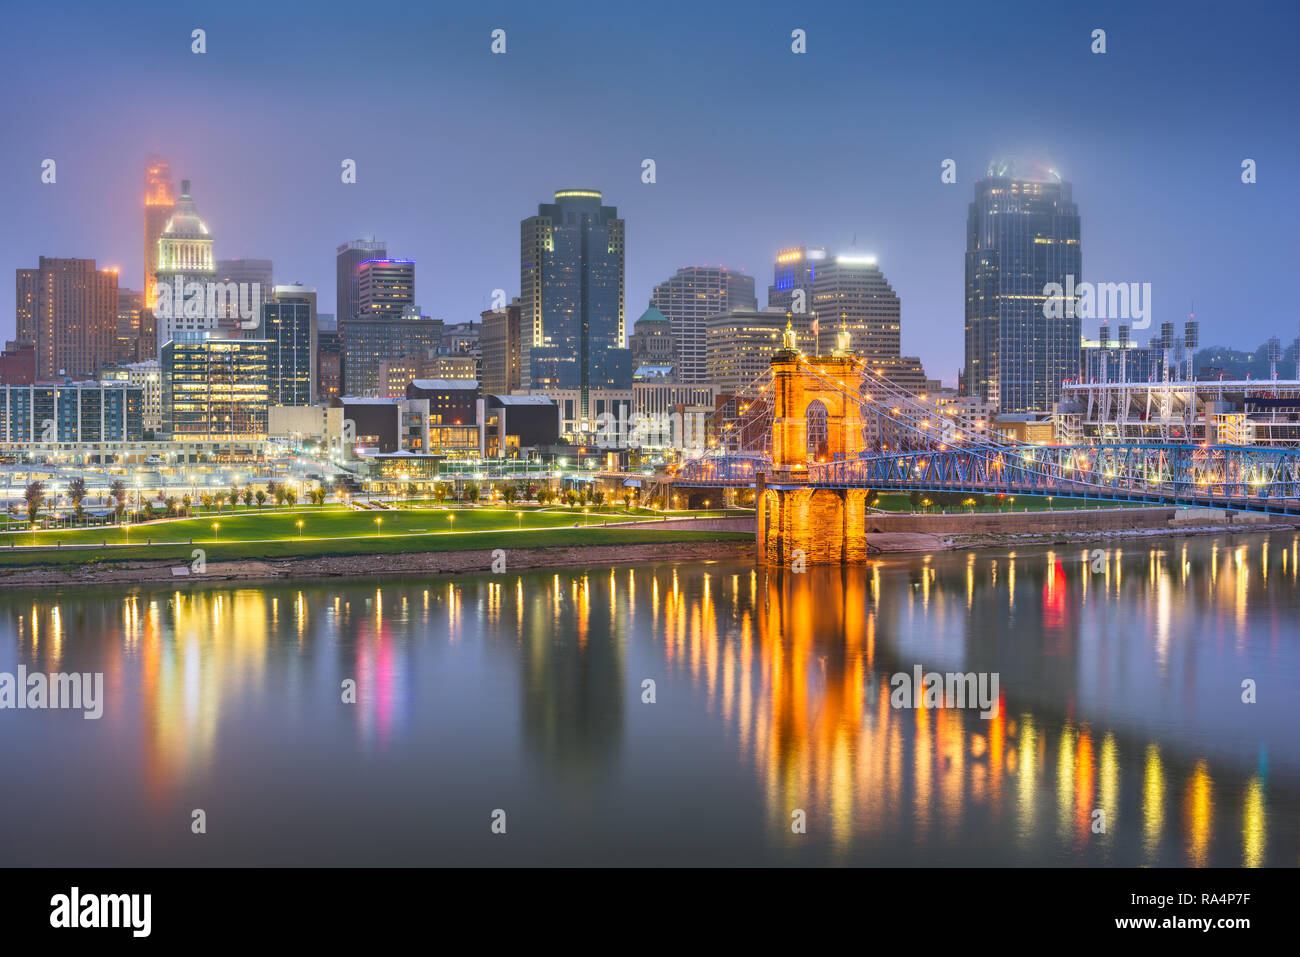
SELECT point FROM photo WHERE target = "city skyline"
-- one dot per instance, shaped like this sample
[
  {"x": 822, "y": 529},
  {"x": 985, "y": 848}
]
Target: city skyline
[{"x": 891, "y": 200}]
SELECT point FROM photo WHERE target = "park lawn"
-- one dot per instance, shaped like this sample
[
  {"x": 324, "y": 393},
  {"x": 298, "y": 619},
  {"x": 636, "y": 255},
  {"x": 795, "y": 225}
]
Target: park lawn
[
  {"x": 322, "y": 522},
  {"x": 566, "y": 536}
]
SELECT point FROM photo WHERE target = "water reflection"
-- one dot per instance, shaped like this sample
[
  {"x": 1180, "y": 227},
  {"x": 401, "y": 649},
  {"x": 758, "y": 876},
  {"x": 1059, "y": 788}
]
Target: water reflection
[{"x": 1121, "y": 735}]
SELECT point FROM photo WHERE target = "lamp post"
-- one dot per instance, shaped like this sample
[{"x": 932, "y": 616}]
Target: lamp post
[
  {"x": 520, "y": 516},
  {"x": 300, "y": 528},
  {"x": 216, "y": 531},
  {"x": 379, "y": 521}
]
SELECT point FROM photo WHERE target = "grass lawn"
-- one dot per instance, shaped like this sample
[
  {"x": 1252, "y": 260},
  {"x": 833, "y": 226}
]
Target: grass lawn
[{"x": 337, "y": 530}]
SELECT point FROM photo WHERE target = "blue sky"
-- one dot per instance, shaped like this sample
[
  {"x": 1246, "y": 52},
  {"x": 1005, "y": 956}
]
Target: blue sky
[{"x": 756, "y": 148}]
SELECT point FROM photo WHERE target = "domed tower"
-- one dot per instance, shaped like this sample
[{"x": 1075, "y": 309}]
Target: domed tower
[{"x": 185, "y": 267}]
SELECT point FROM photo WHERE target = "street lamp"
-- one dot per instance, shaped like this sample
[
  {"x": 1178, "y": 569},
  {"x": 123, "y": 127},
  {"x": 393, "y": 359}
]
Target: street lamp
[
  {"x": 216, "y": 529},
  {"x": 520, "y": 516},
  {"x": 379, "y": 521},
  {"x": 300, "y": 528}
]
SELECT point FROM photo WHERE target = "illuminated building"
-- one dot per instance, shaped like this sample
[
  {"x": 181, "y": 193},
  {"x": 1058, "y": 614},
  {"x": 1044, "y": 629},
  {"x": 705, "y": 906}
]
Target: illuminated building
[
  {"x": 349, "y": 256},
  {"x": 329, "y": 360},
  {"x": 385, "y": 288},
  {"x": 147, "y": 377},
  {"x": 67, "y": 309},
  {"x": 571, "y": 301},
  {"x": 793, "y": 275},
  {"x": 289, "y": 326},
  {"x": 130, "y": 306},
  {"x": 1021, "y": 235},
  {"x": 499, "y": 343},
  {"x": 159, "y": 204},
  {"x": 215, "y": 390},
  {"x": 370, "y": 342},
  {"x": 740, "y": 346},
  {"x": 690, "y": 298},
  {"x": 185, "y": 268},
  {"x": 53, "y": 414}
]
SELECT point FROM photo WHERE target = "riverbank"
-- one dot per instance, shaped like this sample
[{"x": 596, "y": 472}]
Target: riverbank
[{"x": 465, "y": 561}]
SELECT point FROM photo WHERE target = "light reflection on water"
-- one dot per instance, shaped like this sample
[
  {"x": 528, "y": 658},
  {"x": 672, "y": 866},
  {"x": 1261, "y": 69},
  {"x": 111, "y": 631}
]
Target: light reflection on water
[{"x": 1121, "y": 736}]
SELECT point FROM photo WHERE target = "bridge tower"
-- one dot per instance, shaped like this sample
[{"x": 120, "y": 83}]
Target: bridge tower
[{"x": 795, "y": 521}]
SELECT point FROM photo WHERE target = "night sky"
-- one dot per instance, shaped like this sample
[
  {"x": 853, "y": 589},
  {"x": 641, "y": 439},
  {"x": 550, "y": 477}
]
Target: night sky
[{"x": 756, "y": 148}]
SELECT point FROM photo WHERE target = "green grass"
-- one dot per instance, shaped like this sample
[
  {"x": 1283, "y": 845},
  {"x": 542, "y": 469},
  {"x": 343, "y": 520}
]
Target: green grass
[
  {"x": 386, "y": 545},
  {"x": 337, "y": 530}
]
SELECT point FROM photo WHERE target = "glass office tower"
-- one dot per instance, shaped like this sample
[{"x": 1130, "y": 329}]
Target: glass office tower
[
  {"x": 571, "y": 280},
  {"x": 1021, "y": 235}
]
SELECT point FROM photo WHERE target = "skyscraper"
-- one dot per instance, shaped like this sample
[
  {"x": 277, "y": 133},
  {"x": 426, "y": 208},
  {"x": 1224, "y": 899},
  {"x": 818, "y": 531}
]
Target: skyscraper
[
  {"x": 691, "y": 297},
  {"x": 289, "y": 327},
  {"x": 67, "y": 309},
  {"x": 351, "y": 255},
  {"x": 369, "y": 342},
  {"x": 793, "y": 275},
  {"x": 185, "y": 268},
  {"x": 159, "y": 204},
  {"x": 571, "y": 282},
  {"x": 1021, "y": 235},
  {"x": 851, "y": 291},
  {"x": 214, "y": 389}
]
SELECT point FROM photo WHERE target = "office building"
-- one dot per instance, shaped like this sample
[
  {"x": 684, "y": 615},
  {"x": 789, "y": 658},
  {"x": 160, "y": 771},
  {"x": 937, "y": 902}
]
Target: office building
[
  {"x": 18, "y": 363},
  {"x": 159, "y": 204},
  {"x": 289, "y": 326},
  {"x": 253, "y": 274},
  {"x": 368, "y": 342},
  {"x": 130, "y": 307},
  {"x": 499, "y": 348},
  {"x": 54, "y": 414},
  {"x": 739, "y": 346},
  {"x": 182, "y": 304},
  {"x": 571, "y": 292},
  {"x": 688, "y": 300},
  {"x": 67, "y": 309},
  {"x": 215, "y": 390},
  {"x": 329, "y": 363},
  {"x": 1021, "y": 236},
  {"x": 147, "y": 377},
  {"x": 385, "y": 288},
  {"x": 349, "y": 256}
]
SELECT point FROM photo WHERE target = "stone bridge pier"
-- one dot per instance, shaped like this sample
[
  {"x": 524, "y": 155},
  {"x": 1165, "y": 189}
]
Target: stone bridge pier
[{"x": 796, "y": 522}]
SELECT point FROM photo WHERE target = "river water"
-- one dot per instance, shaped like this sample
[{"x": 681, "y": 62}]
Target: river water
[{"x": 1121, "y": 735}]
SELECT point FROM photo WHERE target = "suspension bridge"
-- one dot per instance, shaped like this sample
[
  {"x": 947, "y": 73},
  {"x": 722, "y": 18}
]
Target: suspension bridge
[{"x": 816, "y": 436}]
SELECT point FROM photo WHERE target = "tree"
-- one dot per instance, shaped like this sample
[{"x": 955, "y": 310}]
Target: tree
[
  {"x": 509, "y": 492},
  {"x": 290, "y": 496},
  {"x": 544, "y": 495},
  {"x": 570, "y": 496},
  {"x": 597, "y": 498},
  {"x": 76, "y": 495},
  {"x": 248, "y": 497},
  {"x": 440, "y": 492},
  {"x": 171, "y": 504},
  {"x": 117, "y": 491},
  {"x": 471, "y": 492},
  {"x": 35, "y": 496},
  {"x": 206, "y": 499},
  {"x": 219, "y": 497},
  {"x": 273, "y": 490},
  {"x": 261, "y": 498},
  {"x": 318, "y": 496},
  {"x": 188, "y": 501},
  {"x": 629, "y": 496}
]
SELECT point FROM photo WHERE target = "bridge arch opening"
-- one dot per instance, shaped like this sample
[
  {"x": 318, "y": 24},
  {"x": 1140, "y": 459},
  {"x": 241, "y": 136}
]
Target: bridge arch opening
[{"x": 816, "y": 418}]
